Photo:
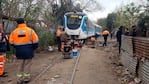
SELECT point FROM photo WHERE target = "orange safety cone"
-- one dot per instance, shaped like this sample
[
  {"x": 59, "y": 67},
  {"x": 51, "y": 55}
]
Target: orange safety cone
[
  {"x": 1, "y": 68},
  {"x": 2, "y": 60}
]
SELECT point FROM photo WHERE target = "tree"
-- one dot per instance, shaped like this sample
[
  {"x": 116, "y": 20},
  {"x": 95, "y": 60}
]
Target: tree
[
  {"x": 111, "y": 18},
  {"x": 143, "y": 24},
  {"x": 1, "y": 11},
  {"x": 131, "y": 12},
  {"x": 102, "y": 22},
  {"x": 89, "y": 5}
]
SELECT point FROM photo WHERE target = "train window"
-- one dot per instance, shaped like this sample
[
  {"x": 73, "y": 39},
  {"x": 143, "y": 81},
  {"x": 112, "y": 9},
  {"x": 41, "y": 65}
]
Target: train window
[{"x": 73, "y": 23}]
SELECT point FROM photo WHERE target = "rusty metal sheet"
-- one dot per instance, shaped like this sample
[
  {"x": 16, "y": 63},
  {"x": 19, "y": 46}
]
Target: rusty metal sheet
[
  {"x": 132, "y": 62},
  {"x": 145, "y": 72}
]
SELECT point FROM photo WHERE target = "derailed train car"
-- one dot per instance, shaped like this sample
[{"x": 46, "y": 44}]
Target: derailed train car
[{"x": 78, "y": 26}]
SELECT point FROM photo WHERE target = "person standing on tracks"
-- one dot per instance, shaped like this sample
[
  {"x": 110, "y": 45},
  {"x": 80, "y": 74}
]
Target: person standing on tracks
[
  {"x": 105, "y": 35},
  {"x": 4, "y": 46},
  {"x": 58, "y": 35},
  {"x": 65, "y": 38},
  {"x": 25, "y": 41},
  {"x": 119, "y": 37}
]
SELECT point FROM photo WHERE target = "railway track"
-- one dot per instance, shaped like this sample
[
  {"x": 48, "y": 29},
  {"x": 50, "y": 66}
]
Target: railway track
[
  {"x": 44, "y": 70},
  {"x": 51, "y": 64}
]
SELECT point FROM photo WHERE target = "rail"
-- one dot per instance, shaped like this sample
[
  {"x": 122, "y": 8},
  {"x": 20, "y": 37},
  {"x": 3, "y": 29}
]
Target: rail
[{"x": 74, "y": 70}]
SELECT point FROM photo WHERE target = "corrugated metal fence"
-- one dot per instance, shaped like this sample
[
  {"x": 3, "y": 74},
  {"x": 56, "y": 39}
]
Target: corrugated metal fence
[{"x": 135, "y": 56}]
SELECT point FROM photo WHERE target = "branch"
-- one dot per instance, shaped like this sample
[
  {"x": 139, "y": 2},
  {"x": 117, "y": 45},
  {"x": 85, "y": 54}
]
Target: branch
[{"x": 9, "y": 18}]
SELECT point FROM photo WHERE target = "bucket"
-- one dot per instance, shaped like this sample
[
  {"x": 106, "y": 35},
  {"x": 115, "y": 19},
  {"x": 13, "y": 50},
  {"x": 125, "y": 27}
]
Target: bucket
[{"x": 74, "y": 52}]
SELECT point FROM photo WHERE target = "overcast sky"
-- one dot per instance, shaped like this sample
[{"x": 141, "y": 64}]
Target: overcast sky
[{"x": 109, "y": 6}]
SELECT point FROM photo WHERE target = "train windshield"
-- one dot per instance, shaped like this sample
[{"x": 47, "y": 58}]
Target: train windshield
[{"x": 74, "y": 21}]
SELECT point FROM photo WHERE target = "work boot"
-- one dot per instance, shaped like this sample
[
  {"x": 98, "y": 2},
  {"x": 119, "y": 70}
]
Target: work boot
[
  {"x": 23, "y": 82},
  {"x": 27, "y": 80},
  {"x": 20, "y": 82},
  {"x": 4, "y": 74}
]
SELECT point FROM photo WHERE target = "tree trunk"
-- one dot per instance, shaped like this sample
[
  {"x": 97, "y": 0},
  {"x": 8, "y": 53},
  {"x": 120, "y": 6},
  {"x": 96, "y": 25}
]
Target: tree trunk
[{"x": 1, "y": 12}]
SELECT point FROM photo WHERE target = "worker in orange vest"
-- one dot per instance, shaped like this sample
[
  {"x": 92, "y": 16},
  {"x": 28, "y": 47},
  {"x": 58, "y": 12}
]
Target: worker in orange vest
[
  {"x": 105, "y": 35},
  {"x": 4, "y": 46},
  {"x": 58, "y": 35},
  {"x": 25, "y": 41}
]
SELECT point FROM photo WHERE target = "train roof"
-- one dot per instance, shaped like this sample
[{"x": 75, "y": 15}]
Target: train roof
[
  {"x": 98, "y": 26},
  {"x": 80, "y": 13}
]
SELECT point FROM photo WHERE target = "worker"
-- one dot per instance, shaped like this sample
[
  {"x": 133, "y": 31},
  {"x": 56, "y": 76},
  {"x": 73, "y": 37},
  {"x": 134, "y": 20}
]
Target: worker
[
  {"x": 93, "y": 41},
  {"x": 58, "y": 35},
  {"x": 64, "y": 36},
  {"x": 25, "y": 41},
  {"x": 65, "y": 39},
  {"x": 4, "y": 46},
  {"x": 119, "y": 37},
  {"x": 79, "y": 43},
  {"x": 105, "y": 34},
  {"x": 66, "y": 46}
]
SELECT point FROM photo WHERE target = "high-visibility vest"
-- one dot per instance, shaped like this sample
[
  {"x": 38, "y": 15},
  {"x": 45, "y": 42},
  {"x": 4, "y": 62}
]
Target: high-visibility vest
[
  {"x": 2, "y": 61},
  {"x": 1, "y": 68},
  {"x": 58, "y": 33},
  {"x": 23, "y": 35},
  {"x": 106, "y": 32}
]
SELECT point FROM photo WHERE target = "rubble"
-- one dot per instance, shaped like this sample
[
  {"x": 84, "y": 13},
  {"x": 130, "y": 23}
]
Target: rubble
[
  {"x": 122, "y": 72},
  {"x": 57, "y": 76}
]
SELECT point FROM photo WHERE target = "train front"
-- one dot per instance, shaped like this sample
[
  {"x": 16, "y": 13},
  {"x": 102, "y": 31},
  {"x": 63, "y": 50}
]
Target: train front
[{"x": 74, "y": 25}]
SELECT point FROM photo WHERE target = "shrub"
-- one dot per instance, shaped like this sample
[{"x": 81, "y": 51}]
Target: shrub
[{"x": 45, "y": 39}]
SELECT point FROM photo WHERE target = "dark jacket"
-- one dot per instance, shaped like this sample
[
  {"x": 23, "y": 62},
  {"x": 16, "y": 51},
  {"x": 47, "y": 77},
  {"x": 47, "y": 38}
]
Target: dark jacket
[
  {"x": 119, "y": 35},
  {"x": 4, "y": 43}
]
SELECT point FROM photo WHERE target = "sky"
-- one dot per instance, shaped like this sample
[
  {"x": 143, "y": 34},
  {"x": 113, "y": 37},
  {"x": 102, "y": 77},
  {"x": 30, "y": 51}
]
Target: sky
[{"x": 108, "y": 7}]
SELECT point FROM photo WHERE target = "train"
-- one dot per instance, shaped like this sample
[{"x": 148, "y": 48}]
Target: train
[{"x": 79, "y": 26}]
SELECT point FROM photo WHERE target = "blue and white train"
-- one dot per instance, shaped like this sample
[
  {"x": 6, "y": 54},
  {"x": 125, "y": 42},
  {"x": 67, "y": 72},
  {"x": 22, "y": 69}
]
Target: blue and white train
[{"x": 77, "y": 25}]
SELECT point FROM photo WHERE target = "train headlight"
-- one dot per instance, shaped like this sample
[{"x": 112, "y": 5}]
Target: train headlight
[{"x": 79, "y": 32}]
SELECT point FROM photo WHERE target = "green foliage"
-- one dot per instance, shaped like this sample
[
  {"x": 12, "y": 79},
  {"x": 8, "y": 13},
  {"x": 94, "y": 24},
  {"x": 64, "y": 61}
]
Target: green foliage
[
  {"x": 102, "y": 22},
  {"x": 9, "y": 53},
  {"x": 111, "y": 21},
  {"x": 53, "y": 19},
  {"x": 143, "y": 24},
  {"x": 130, "y": 14},
  {"x": 29, "y": 19},
  {"x": 45, "y": 39},
  {"x": 46, "y": 15},
  {"x": 127, "y": 16},
  {"x": 36, "y": 9}
]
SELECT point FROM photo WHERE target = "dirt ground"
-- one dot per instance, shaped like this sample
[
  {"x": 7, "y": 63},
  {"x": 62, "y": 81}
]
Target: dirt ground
[{"x": 94, "y": 67}]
